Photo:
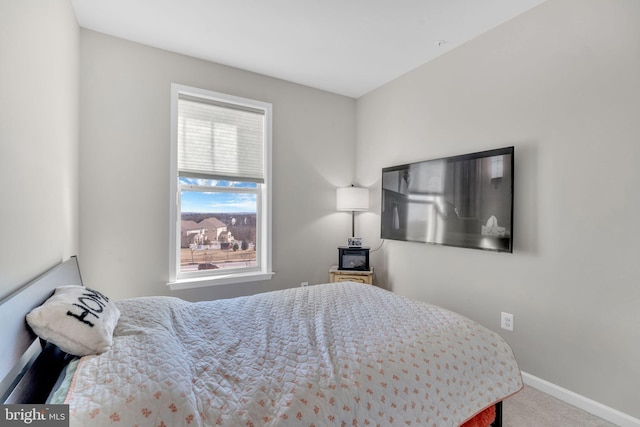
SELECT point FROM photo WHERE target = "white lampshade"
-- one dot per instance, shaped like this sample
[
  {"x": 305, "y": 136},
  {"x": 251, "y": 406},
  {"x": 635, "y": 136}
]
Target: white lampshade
[{"x": 352, "y": 199}]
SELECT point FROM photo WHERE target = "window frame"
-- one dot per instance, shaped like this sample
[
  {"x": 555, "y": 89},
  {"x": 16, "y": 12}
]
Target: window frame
[{"x": 263, "y": 271}]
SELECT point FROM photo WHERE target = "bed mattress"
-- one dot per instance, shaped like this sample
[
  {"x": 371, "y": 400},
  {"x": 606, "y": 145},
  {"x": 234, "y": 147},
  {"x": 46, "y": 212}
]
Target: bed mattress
[{"x": 333, "y": 354}]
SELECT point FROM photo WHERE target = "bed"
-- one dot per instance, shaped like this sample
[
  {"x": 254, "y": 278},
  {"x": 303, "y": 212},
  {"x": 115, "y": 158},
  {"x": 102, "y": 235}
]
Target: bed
[{"x": 331, "y": 354}]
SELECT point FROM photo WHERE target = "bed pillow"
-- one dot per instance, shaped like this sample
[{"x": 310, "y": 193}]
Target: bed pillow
[{"x": 78, "y": 320}]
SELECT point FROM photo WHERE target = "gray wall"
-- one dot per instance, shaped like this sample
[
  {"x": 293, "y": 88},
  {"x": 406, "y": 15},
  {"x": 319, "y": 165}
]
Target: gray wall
[
  {"x": 38, "y": 138},
  {"x": 124, "y": 165},
  {"x": 562, "y": 84}
]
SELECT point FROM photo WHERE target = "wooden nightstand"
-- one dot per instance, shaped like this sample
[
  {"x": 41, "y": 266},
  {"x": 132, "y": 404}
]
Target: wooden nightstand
[{"x": 336, "y": 275}]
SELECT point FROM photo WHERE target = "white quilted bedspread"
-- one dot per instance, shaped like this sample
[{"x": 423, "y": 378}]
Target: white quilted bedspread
[{"x": 326, "y": 355}]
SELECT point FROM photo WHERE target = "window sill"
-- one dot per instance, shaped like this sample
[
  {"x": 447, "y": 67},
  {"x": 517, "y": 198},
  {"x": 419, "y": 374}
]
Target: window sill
[{"x": 202, "y": 282}]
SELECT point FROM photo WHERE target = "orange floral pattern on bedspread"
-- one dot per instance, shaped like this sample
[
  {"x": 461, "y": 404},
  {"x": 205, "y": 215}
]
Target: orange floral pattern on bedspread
[{"x": 335, "y": 354}]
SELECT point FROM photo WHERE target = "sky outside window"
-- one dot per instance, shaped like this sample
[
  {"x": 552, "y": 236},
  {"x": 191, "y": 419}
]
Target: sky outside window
[{"x": 213, "y": 202}]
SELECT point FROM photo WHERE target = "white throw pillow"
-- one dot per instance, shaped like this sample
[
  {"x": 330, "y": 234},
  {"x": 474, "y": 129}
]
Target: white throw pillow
[{"x": 78, "y": 320}]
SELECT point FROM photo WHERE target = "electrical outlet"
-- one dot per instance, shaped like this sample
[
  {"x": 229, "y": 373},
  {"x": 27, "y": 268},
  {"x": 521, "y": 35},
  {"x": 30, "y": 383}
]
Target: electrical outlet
[
  {"x": 304, "y": 284},
  {"x": 506, "y": 321}
]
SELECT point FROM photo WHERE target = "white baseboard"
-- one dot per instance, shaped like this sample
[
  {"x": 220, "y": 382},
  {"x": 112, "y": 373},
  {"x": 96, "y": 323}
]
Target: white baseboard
[{"x": 598, "y": 409}]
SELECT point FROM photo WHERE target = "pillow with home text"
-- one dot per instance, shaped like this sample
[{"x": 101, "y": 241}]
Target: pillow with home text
[{"x": 78, "y": 320}]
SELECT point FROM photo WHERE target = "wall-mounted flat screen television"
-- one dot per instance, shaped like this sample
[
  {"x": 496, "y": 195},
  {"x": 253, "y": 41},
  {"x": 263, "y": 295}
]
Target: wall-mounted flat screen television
[{"x": 464, "y": 201}]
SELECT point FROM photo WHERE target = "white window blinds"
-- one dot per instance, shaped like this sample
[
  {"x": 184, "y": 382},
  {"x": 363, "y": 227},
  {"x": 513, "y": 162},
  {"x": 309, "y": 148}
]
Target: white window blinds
[{"x": 217, "y": 140}]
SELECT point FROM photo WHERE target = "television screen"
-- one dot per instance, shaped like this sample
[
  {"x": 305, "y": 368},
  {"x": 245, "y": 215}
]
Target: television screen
[{"x": 464, "y": 201}]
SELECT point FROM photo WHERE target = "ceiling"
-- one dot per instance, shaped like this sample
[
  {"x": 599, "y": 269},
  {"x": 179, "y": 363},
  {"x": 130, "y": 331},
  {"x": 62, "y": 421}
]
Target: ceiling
[{"x": 348, "y": 47}]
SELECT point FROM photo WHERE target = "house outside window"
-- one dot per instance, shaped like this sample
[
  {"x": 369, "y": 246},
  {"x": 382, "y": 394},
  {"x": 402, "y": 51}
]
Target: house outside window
[{"x": 220, "y": 189}]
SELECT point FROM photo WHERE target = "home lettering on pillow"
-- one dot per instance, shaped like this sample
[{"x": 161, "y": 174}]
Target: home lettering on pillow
[
  {"x": 79, "y": 320},
  {"x": 91, "y": 303}
]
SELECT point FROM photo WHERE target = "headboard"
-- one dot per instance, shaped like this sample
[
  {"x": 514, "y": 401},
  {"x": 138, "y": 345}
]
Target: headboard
[{"x": 22, "y": 351}]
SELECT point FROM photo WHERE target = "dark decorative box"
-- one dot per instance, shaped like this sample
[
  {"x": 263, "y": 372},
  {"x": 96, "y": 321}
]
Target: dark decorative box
[{"x": 350, "y": 258}]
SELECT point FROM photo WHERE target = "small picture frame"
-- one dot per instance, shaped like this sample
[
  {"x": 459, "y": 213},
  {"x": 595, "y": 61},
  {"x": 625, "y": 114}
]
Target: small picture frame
[{"x": 354, "y": 242}]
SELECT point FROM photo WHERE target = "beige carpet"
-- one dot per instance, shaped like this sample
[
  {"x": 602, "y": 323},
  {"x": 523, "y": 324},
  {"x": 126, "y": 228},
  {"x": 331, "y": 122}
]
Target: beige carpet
[{"x": 533, "y": 408}]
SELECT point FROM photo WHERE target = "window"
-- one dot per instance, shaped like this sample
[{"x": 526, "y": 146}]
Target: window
[{"x": 220, "y": 189}]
